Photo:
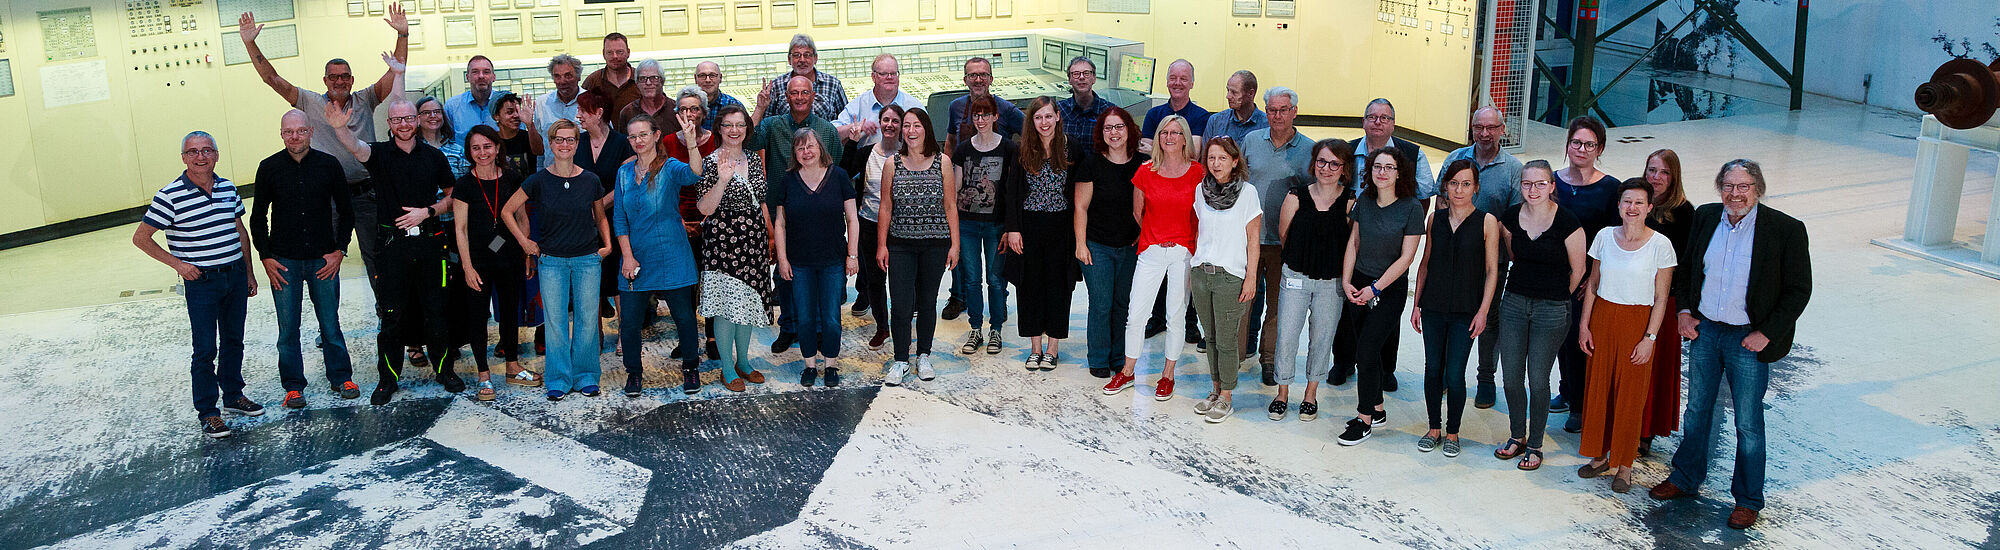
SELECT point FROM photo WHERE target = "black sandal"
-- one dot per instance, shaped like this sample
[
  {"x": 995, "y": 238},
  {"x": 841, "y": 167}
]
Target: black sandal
[
  {"x": 1515, "y": 444},
  {"x": 1535, "y": 454}
]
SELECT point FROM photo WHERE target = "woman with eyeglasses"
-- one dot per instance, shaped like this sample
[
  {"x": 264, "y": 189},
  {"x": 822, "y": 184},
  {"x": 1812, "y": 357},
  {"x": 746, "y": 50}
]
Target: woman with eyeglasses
[
  {"x": 601, "y": 151},
  {"x": 1546, "y": 249},
  {"x": 569, "y": 244},
  {"x": 1673, "y": 216},
  {"x": 1163, "y": 194},
  {"x": 917, "y": 240},
  {"x": 872, "y": 283},
  {"x": 434, "y": 128},
  {"x": 656, "y": 258},
  {"x": 1454, "y": 293},
  {"x": 735, "y": 250},
  {"x": 1314, "y": 227},
  {"x": 814, "y": 224},
  {"x": 692, "y": 105},
  {"x": 1108, "y": 227},
  {"x": 1592, "y": 196},
  {"x": 491, "y": 261},
  {"x": 1387, "y": 225},
  {"x": 986, "y": 161}
]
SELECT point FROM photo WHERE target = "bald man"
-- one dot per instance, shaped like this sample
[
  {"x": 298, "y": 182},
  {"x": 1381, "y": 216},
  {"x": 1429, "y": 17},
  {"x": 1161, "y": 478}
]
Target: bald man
[
  {"x": 1180, "y": 81},
  {"x": 299, "y": 225},
  {"x": 708, "y": 77}
]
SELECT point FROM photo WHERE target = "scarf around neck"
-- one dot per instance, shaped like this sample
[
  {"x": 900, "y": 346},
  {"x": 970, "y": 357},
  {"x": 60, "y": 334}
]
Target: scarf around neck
[{"x": 1219, "y": 194}]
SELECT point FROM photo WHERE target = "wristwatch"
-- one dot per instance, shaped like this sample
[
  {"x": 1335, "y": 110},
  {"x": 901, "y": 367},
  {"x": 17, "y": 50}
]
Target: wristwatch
[{"x": 1651, "y": 336}]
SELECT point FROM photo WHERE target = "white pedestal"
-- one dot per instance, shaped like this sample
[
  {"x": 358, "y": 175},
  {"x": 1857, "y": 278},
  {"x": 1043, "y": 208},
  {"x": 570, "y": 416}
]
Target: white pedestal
[{"x": 1942, "y": 154}]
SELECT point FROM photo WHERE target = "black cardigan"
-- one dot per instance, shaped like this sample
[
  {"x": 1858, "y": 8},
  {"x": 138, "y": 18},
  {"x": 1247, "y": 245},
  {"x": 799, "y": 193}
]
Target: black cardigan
[{"x": 1780, "y": 274}]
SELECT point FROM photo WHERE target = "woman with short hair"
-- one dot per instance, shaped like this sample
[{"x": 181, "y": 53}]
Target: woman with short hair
[
  {"x": 572, "y": 239},
  {"x": 814, "y": 224},
  {"x": 1624, "y": 300},
  {"x": 735, "y": 247},
  {"x": 1454, "y": 292}
]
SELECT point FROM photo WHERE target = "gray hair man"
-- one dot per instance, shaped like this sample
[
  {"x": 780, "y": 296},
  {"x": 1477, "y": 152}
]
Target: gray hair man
[
  {"x": 1278, "y": 157},
  {"x": 559, "y": 104},
  {"x": 829, "y": 97},
  {"x": 1378, "y": 130}
]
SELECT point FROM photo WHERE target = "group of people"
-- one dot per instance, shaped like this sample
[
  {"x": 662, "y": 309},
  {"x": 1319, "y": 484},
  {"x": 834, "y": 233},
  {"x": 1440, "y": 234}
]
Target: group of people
[{"x": 597, "y": 197}]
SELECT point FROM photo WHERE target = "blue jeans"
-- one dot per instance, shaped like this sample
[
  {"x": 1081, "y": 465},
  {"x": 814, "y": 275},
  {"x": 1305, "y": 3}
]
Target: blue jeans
[
  {"x": 1108, "y": 279},
  {"x": 1717, "y": 353},
  {"x": 788, "y": 317},
  {"x": 569, "y": 305},
  {"x": 216, "y": 303},
  {"x": 299, "y": 280},
  {"x": 979, "y": 261},
  {"x": 817, "y": 291},
  {"x": 1447, "y": 347}
]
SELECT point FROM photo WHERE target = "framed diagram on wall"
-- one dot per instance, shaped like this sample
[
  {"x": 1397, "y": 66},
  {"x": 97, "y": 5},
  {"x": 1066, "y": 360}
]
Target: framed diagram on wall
[{"x": 1120, "y": 6}]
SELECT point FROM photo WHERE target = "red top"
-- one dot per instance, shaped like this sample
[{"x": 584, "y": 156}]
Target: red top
[
  {"x": 690, "y": 197},
  {"x": 1169, "y": 216}
]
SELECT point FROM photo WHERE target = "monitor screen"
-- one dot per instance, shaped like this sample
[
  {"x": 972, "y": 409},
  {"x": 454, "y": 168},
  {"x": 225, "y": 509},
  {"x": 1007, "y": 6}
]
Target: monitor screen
[
  {"x": 1135, "y": 73},
  {"x": 1052, "y": 55}
]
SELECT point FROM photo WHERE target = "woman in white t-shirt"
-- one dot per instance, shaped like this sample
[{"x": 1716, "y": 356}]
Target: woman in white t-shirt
[
  {"x": 1229, "y": 218},
  {"x": 1623, "y": 303}
]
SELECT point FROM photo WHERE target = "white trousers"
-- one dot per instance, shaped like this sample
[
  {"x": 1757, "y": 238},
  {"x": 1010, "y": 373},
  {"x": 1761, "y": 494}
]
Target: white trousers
[{"x": 1158, "y": 263}]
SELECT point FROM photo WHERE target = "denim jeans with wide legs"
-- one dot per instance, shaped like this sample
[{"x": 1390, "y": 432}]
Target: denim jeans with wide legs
[
  {"x": 1530, "y": 331},
  {"x": 978, "y": 273},
  {"x": 1717, "y": 354},
  {"x": 216, "y": 304},
  {"x": 817, "y": 291},
  {"x": 569, "y": 303},
  {"x": 299, "y": 281},
  {"x": 1108, "y": 280}
]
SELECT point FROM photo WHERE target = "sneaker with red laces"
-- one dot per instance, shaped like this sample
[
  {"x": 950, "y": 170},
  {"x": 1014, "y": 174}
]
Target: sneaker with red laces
[
  {"x": 1164, "y": 389},
  {"x": 1119, "y": 381},
  {"x": 348, "y": 390},
  {"x": 295, "y": 400}
]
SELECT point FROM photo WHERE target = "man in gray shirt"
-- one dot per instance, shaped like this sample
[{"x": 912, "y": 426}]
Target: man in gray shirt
[
  {"x": 1278, "y": 156},
  {"x": 1499, "y": 188},
  {"x": 360, "y": 107}
]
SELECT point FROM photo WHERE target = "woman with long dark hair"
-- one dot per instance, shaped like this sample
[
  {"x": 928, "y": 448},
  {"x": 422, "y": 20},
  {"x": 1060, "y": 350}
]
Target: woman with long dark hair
[
  {"x": 489, "y": 256},
  {"x": 1672, "y": 216},
  {"x": 987, "y": 164},
  {"x": 1041, "y": 234},
  {"x": 917, "y": 240},
  {"x": 1388, "y": 225},
  {"x": 872, "y": 283},
  {"x": 1107, "y": 228}
]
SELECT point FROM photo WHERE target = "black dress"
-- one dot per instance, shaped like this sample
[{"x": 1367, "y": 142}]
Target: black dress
[{"x": 1039, "y": 207}]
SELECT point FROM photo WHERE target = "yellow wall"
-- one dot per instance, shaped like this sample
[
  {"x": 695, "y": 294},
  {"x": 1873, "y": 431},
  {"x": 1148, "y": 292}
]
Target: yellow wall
[{"x": 102, "y": 156}]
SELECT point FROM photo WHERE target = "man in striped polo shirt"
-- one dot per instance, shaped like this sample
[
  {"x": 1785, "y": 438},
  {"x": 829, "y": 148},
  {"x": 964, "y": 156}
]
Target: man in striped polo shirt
[{"x": 202, "y": 216}]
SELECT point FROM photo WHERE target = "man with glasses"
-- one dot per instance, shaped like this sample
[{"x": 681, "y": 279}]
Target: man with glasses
[
  {"x": 653, "y": 102},
  {"x": 857, "y": 123},
  {"x": 774, "y": 139},
  {"x": 1378, "y": 128},
  {"x": 1499, "y": 187},
  {"x": 411, "y": 176},
  {"x": 615, "y": 80},
  {"x": 1081, "y": 109},
  {"x": 1278, "y": 157},
  {"x": 202, "y": 216},
  {"x": 1746, "y": 277},
  {"x": 299, "y": 226},
  {"x": 340, "y": 93},
  {"x": 979, "y": 81},
  {"x": 829, "y": 97},
  {"x": 1243, "y": 115},
  {"x": 708, "y": 77},
  {"x": 1180, "y": 81},
  {"x": 559, "y": 104}
]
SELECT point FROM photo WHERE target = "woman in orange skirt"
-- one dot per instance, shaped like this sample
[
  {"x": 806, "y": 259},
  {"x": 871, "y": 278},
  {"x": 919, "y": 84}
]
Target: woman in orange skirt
[
  {"x": 1674, "y": 216},
  {"x": 1624, "y": 301}
]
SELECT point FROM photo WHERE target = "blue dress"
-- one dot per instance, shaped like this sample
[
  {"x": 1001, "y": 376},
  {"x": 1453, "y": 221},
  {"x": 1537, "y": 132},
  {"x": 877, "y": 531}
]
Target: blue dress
[{"x": 648, "y": 214}]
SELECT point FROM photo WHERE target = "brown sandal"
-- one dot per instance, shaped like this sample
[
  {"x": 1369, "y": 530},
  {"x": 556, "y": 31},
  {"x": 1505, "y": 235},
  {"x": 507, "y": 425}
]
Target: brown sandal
[
  {"x": 1532, "y": 454},
  {"x": 1515, "y": 445}
]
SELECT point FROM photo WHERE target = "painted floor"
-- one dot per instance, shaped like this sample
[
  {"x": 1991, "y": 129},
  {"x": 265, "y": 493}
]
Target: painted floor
[{"x": 1883, "y": 425}]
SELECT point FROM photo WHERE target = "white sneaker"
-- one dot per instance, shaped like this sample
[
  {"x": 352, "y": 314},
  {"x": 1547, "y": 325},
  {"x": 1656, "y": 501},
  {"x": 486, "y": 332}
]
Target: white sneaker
[
  {"x": 898, "y": 371},
  {"x": 1201, "y": 408},
  {"x": 924, "y": 370}
]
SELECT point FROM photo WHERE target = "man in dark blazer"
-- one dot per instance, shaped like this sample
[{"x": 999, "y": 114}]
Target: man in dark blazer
[{"x": 1748, "y": 277}]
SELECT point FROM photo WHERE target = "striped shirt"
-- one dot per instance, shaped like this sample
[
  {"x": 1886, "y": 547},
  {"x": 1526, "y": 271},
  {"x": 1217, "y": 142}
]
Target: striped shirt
[{"x": 200, "y": 226}]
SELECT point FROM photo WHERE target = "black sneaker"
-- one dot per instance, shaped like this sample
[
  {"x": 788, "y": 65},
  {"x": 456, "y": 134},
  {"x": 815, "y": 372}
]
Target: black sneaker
[
  {"x": 1339, "y": 376},
  {"x": 1380, "y": 417},
  {"x": 808, "y": 376},
  {"x": 784, "y": 342},
  {"x": 632, "y": 385},
  {"x": 382, "y": 394},
  {"x": 1154, "y": 329},
  {"x": 1201, "y": 346},
  {"x": 952, "y": 308},
  {"x": 1357, "y": 432},
  {"x": 590, "y": 391},
  {"x": 213, "y": 427},
  {"x": 1270, "y": 375},
  {"x": 244, "y": 406},
  {"x": 691, "y": 381},
  {"x": 451, "y": 382},
  {"x": 860, "y": 308},
  {"x": 1278, "y": 409},
  {"x": 1102, "y": 372},
  {"x": 1574, "y": 424},
  {"x": 832, "y": 377},
  {"x": 675, "y": 354},
  {"x": 1389, "y": 381}
]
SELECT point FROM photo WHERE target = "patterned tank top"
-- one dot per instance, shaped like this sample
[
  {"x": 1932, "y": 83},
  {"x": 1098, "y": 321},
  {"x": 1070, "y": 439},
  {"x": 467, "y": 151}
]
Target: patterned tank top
[{"x": 918, "y": 199}]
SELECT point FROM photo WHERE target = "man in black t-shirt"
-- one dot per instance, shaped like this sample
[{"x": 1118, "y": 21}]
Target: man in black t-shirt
[{"x": 409, "y": 177}]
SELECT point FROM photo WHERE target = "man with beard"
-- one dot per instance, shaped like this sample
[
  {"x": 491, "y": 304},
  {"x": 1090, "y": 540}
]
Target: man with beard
[{"x": 616, "y": 80}]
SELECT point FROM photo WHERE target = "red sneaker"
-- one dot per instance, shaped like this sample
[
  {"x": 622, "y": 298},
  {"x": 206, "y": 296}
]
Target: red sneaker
[
  {"x": 295, "y": 400},
  {"x": 1165, "y": 389},
  {"x": 1119, "y": 381}
]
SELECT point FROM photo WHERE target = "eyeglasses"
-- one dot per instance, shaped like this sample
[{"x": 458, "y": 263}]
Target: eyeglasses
[
  {"x": 652, "y": 78},
  {"x": 563, "y": 140},
  {"x": 431, "y": 112},
  {"x": 688, "y": 109},
  {"x": 349, "y": 76},
  {"x": 1379, "y": 118},
  {"x": 708, "y": 75},
  {"x": 1074, "y": 74},
  {"x": 1737, "y": 187},
  {"x": 1280, "y": 110},
  {"x": 644, "y": 135},
  {"x": 1486, "y": 127},
  {"x": 289, "y": 132},
  {"x": 1582, "y": 145},
  {"x": 1384, "y": 167},
  {"x": 405, "y": 119},
  {"x": 1119, "y": 127},
  {"x": 886, "y": 73},
  {"x": 1536, "y": 183},
  {"x": 979, "y": 75},
  {"x": 202, "y": 152},
  {"x": 1328, "y": 163},
  {"x": 978, "y": 115}
]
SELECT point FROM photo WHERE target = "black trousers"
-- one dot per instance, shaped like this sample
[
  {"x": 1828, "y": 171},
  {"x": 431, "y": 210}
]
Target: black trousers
[
  {"x": 914, "y": 274},
  {"x": 871, "y": 284},
  {"x": 1378, "y": 325},
  {"x": 502, "y": 277},
  {"x": 411, "y": 269},
  {"x": 1347, "y": 341}
]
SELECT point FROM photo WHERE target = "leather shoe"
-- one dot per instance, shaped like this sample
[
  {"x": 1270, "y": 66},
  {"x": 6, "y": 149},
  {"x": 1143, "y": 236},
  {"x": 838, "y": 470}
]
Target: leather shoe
[
  {"x": 1667, "y": 491},
  {"x": 1742, "y": 518}
]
